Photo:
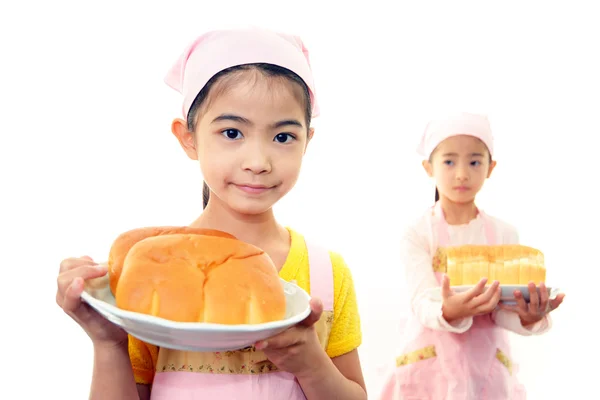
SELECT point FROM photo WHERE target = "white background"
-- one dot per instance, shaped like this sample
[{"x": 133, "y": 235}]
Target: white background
[{"x": 86, "y": 153}]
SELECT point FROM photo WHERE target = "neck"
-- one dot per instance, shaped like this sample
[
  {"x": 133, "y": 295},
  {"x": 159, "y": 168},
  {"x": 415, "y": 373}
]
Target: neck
[
  {"x": 259, "y": 230},
  {"x": 458, "y": 213}
]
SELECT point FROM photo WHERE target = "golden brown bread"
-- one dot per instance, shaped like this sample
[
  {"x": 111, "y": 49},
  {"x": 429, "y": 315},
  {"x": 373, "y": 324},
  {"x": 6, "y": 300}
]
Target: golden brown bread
[
  {"x": 201, "y": 278},
  {"x": 508, "y": 264},
  {"x": 126, "y": 240}
]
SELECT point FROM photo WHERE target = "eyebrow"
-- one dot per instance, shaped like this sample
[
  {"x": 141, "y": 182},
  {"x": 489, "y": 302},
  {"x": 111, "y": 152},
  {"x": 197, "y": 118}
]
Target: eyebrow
[
  {"x": 245, "y": 121},
  {"x": 233, "y": 118},
  {"x": 456, "y": 154}
]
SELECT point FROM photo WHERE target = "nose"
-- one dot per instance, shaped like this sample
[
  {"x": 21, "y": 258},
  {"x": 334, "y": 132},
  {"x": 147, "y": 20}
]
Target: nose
[
  {"x": 462, "y": 173},
  {"x": 256, "y": 159}
]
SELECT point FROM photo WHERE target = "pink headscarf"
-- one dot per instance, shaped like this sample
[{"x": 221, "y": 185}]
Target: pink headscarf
[
  {"x": 217, "y": 50},
  {"x": 458, "y": 124}
]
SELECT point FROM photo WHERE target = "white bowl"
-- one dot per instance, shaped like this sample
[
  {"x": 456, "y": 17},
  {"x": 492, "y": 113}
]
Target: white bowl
[{"x": 194, "y": 336}]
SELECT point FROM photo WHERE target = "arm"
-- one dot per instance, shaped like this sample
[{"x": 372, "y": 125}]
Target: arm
[
  {"x": 338, "y": 378},
  {"x": 511, "y": 321},
  {"x": 340, "y": 374},
  {"x": 112, "y": 377},
  {"x": 420, "y": 277},
  {"x": 133, "y": 363}
]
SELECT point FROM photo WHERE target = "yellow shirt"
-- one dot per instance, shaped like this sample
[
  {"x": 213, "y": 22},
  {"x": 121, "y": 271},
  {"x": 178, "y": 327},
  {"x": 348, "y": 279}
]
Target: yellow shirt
[{"x": 345, "y": 333}]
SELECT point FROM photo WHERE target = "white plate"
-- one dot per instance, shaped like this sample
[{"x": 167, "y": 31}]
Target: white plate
[
  {"x": 194, "y": 336},
  {"x": 507, "y": 292}
]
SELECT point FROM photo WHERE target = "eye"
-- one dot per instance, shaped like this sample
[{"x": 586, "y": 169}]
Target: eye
[
  {"x": 449, "y": 162},
  {"x": 283, "y": 138},
  {"x": 232, "y": 134},
  {"x": 475, "y": 163}
]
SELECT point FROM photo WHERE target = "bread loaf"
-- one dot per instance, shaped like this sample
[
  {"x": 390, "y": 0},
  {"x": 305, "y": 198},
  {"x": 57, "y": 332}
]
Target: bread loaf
[
  {"x": 126, "y": 240},
  {"x": 200, "y": 278},
  {"x": 508, "y": 264}
]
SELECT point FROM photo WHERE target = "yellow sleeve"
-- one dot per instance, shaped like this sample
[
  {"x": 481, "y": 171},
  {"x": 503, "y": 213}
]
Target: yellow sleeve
[
  {"x": 346, "y": 334},
  {"x": 143, "y": 358}
]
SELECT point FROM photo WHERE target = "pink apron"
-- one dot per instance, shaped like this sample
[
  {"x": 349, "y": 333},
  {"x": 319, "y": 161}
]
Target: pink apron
[
  {"x": 246, "y": 373},
  {"x": 474, "y": 365}
]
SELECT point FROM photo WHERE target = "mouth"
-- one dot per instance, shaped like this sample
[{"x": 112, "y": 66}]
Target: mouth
[
  {"x": 461, "y": 188},
  {"x": 253, "y": 189}
]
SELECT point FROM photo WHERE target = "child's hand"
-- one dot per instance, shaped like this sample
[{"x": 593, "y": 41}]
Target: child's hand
[
  {"x": 297, "y": 350},
  {"x": 73, "y": 272},
  {"x": 475, "y": 301},
  {"x": 538, "y": 306}
]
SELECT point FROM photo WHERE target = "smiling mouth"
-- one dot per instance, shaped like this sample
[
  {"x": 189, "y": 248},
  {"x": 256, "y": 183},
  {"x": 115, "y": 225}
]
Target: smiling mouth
[{"x": 253, "y": 189}]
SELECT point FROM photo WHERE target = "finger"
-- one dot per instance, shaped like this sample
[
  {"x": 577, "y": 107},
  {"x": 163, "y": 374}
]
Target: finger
[
  {"x": 446, "y": 292},
  {"x": 72, "y": 263},
  {"x": 476, "y": 290},
  {"x": 556, "y": 302},
  {"x": 496, "y": 297},
  {"x": 543, "y": 297},
  {"x": 287, "y": 338},
  {"x": 85, "y": 272},
  {"x": 489, "y": 305},
  {"x": 316, "y": 310},
  {"x": 72, "y": 297},
  {"x": 487, "y": 296},
  {"x": 534, "y": 299},
  {"x": 521, "y": 304}
]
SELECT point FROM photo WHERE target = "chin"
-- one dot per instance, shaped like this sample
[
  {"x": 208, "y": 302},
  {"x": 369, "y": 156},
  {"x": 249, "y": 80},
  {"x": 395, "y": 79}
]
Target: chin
[
  {"x": 462, "y": 199},
  {"x": 459, "y": 198},
  {"x": 250, "y": 206},
  {"x": 251, "y": 209}
]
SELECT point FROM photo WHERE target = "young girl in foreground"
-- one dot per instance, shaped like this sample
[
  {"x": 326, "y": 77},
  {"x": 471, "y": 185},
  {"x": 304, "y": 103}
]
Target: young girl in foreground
[
  {"x": 457, "y": 347},
  {"x": 248, "y": 100}
]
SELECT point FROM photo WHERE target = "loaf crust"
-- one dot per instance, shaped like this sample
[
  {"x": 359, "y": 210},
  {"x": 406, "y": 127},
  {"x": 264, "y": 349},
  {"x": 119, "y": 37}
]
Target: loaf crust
[
  {"x": 508, "y": 264},
  {"x": 126, "y": 240},
  {"x": 200, "y": 278}
]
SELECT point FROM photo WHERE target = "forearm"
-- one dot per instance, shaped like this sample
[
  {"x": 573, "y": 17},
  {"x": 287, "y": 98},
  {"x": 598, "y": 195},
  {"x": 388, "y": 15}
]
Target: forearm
[
  {"x": 512, "y": 322},
  {"x": 328, "y": 383},
  {"x": 429, "y": 312},
  {"x": 113, "y": 376}
]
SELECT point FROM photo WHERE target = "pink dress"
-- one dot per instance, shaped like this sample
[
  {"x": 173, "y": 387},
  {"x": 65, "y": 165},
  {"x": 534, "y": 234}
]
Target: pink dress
[
  {"x": 471, "y": 364},
  {"x": 243, "y": 374}
]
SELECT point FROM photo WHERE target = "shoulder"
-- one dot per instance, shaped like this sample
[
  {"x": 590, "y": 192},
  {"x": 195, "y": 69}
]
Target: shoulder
[
  {"x": 506, "y": 230},
  {"x": 418, "y": 231},
  {"x": 342, "y": 276}
]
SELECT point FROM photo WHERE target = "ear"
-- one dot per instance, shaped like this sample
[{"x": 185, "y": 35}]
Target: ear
[
  {"x": 185, "y": 137},
  {"x": 311, "y": 133},
  {"x": 428, "y": 168},
  {"x": 492, "y": 166}
]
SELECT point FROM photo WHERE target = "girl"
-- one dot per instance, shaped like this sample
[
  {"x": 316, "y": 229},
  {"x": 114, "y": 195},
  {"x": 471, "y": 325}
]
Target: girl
[
  {"x": 457, "y": 344},
  {"x": 248, "y": 100}
]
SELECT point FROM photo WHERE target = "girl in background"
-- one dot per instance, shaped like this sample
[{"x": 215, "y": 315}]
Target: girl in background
[
  {"x": 248, "y": 101},
  {"x": 457, "y": 346}
]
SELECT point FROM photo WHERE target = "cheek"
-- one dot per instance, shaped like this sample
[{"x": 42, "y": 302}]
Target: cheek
[
  {"x": 482, "y": 171},
  {"x": 443, "y": 173},
  {"x": 214, "y": 162},
  {"x": 289, "y": 164}
]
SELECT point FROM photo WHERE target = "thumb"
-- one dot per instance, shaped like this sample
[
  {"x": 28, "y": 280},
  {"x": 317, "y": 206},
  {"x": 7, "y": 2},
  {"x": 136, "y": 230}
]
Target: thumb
[
  {"x": 554, "y": 303},
  {"x": 445, "y": 287},
  {"x": 316, "y": 310}
]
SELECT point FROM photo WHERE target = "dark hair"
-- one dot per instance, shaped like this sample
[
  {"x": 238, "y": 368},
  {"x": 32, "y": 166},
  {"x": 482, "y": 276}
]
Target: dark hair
[
  {"x": 437, "y": 192},
  {"x": 268, "y": 70}
]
